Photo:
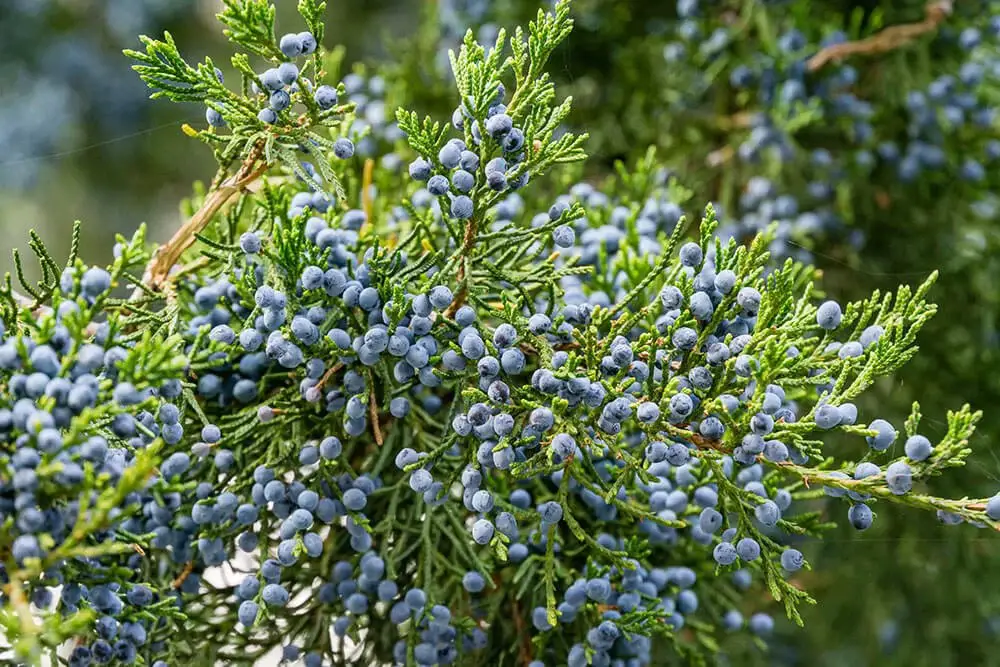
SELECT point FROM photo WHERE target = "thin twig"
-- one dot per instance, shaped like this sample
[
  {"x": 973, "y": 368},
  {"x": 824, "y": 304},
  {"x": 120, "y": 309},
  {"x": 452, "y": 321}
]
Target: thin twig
[
  {"x": 524, "y": 649},
  {"x": 457, "y": 303},
  {"x": 366, "y": 194},
  {"x": 158, "y": 269},
  {"x": 182, "y": 577},
  {"x": 468, "y": 243},
  {"x": 893, "y": 37},
  {"x": 329, "y": 373},
  {"x": 373, "y": 415},
  {"x": 720, "y": 156}
]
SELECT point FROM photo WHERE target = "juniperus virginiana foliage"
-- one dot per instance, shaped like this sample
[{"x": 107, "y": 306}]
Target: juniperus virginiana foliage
[{"x": 443, "y": 414}]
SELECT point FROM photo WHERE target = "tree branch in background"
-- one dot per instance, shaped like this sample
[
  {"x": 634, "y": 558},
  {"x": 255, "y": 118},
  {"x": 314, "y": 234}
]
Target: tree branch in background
[
  {"x": 893, "y": 37},
  {"x": 935, "y": 12}
]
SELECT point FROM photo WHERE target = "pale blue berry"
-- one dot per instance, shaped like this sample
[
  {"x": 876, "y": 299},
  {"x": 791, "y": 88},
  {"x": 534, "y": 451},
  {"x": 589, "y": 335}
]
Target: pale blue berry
[
  {"x": 884, "y": 437},
  {"x": 724, "y": 553},
  {"x": 343, "y": 148},
  {"x": 792, "y": 560},
  {"x": 462, "y": 207},
  {"x": 291, "y": 45},
  {"x": 748, "y": 549},
  {"x": 829, "y": 315},
  {"x": 860, "y": 516},
  {"x": 899, "y": 477},
  {"x": 918, "y": 448},
  {"x": 691, "y": 254},
  {"x": 326, "y": 98}
]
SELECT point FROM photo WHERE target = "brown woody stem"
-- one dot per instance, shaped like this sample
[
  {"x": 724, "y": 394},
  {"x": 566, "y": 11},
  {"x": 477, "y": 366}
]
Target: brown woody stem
[
  {"x": 158, "y": 269},
  {"x": 373, "y": 415},
  {"x": 468, "y": 242}
]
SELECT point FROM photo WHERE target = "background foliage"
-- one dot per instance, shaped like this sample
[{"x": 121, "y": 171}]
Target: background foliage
[{"x": 652, "y": 74}]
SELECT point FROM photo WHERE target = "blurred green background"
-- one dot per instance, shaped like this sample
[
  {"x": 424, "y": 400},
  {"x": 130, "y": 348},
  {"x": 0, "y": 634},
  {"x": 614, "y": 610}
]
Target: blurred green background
[{"x": 80, "y": 140}]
